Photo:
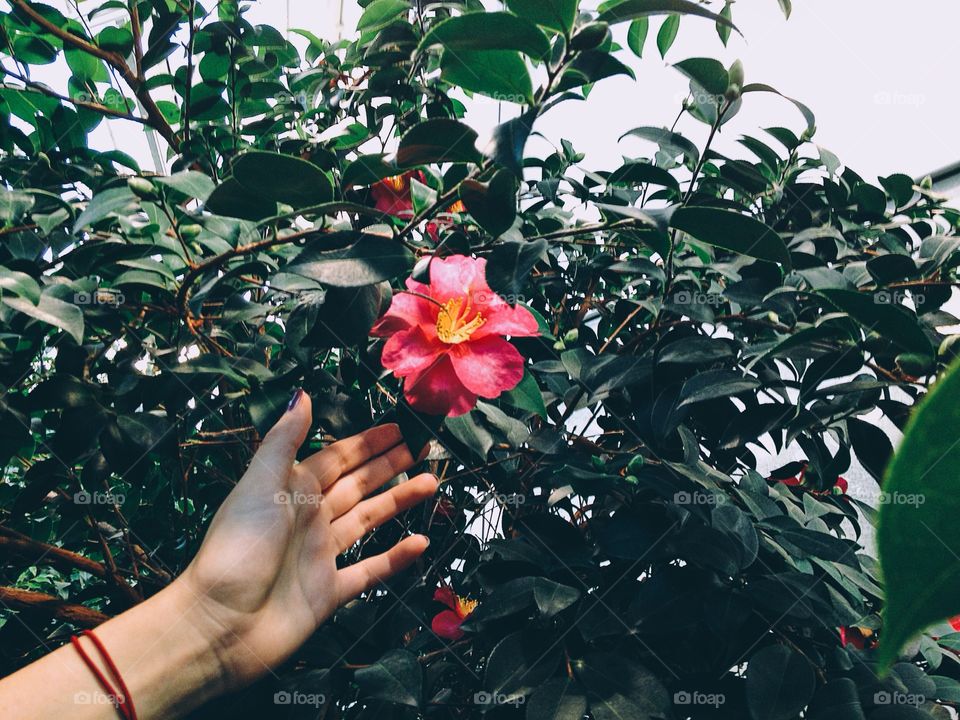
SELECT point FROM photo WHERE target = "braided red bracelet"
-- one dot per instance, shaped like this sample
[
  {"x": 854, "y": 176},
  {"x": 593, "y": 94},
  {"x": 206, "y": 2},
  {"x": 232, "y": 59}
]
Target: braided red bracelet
[{"x": 121, "y": 700}]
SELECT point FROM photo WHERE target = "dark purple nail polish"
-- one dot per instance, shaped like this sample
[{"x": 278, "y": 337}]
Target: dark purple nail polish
[{"x": 297, "y": 394}]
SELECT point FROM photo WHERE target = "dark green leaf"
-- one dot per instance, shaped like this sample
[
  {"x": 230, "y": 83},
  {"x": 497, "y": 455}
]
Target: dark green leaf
[
  {"x": 371, "y": 259},
  {"x": 780, "y": 683},
  {"x": 488, "y": 31},
  {"x": 438, "y": 141},
  {"x": 732, "y": 231}
]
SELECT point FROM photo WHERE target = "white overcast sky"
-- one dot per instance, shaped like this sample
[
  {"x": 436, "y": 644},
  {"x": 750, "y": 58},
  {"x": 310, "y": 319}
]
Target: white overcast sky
[{"x": 877, "y": 74}]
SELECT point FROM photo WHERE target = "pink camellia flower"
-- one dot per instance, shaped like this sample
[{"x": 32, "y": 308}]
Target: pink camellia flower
[
  {"x": 446, "y": 339},
  {"x": 392, "y": 196},
  {"x": 446, "y": 623}
]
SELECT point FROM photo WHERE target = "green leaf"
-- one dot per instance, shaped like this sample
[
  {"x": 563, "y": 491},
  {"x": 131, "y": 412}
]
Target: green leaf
[
  {"x": 890, "y": 321},
  {"x": 526, "y": 396},
  {"x": 780, "y": 683},
  {"x": 494, "y": 204},
  {"x": 557, "y": 699},
  {"x": 283, "y": 178},
  {"x": 84, "y": 66},
  {"x": 499, "y": 74},
  {"x": 232, "y": 199},
  {"x": 732, "y": 231},
  {"x": 708, "y": 73},
  {"x": 382, "y": 12},
  {"x": 723, "y": 29},
  {"x": 189, "y": 182},
  {"x": 589, "y": 67},
  {"x": 667, "y": 34},
  {"x": 918, "y": 536},
  {"x": 631, "y": 9},
  {"x": 488, "y": 31},
  {"x": 371, "y": 259},
  {"x": 19, "y": 283},
  {"x": 787, "y": 7},
  {"x": 115, "y": 201},
  {"x": 521, "y": 594},
  {"x": 396, "y": 677},
  {"x": 557, "y": 15},
  {"x": 670, "y": 142},
  {"x": 116, "y": 39},
  {"x": 804, "y": 110},
  {"x": 438, "y": 141},
  {"x": 637, "y": 35},
  {"x": 637, "y": 173},
  {"x": 618, "y": 688},
  {"x": 714, "y": 384},
  {"x": 509, "y": 264},
  {"x": 51, "y": 310},
  {"x": 509, "y": 140}
]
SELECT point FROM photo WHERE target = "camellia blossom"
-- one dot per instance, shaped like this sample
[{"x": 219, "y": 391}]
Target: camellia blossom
[
  {"x": 391, "y": 196},
  {"x": 446, "y": 339},
  {"x": 840, "y": 487},
  {"x": 446, "y": 624},
  {"x": 858, "y": 637}
]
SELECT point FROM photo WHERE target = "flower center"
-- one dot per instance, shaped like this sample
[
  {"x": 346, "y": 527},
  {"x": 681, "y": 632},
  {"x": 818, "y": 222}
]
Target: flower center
[
  {"x": 394, "y": 182},
  {"x": 465, "y": 606},
  {"x": 453, "y": 326}
]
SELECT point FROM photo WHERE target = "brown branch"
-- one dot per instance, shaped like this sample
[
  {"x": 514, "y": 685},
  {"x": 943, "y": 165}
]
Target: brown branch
[
  {"x": 17, "y": 599},
  {"x": 137, "y": 82}
]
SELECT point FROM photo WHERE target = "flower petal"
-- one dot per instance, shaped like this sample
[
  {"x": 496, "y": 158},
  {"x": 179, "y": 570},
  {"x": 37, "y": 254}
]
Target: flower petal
[
  {"x": 446, "y": 596},
  {"x": 458, "y": 276},
  {"x": 406, "y": 311},
  {"x": 410, "y": 351},
  {"x": 446, "y": 625},
  {"x": 438, "y": 391},
  {"x": 487, "y": 366},
  {"x": 501, "y": 319}
]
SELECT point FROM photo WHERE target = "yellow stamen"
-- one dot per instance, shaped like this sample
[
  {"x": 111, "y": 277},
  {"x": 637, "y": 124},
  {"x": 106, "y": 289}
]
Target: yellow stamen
[
  {"x": 453, "y": 326},
  {"x": 465, "y": 606},
  {"x": 396, "y": 182}
]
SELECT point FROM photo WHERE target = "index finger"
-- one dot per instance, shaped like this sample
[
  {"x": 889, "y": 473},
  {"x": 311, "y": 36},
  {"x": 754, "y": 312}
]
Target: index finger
[{"x": 345, "y": 455}]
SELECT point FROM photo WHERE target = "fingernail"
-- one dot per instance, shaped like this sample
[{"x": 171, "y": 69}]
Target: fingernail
[
  {"x": 297, "y": 394},
  {"x": 427, "y": 539}
]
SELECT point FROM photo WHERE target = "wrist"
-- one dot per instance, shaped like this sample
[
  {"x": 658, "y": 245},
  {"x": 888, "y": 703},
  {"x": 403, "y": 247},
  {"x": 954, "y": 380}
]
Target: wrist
[{"x": 168, "y": 653}]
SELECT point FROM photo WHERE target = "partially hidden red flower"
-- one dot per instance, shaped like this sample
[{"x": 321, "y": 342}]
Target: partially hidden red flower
[
  {"x": 391, "y": 196},
  {"x": 446, "y": 339},
  {"x": 840, "y": 487},
  {"x": 955, "y": 623},
  {"x": 859, "y": 637},
  {"x": 446, "y": 624}
]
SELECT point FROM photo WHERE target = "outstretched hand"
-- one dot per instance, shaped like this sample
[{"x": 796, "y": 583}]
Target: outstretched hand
[{"x": 266, "y": 575}]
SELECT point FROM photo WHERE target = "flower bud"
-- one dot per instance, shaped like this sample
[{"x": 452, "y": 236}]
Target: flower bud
[
  {"x": 142, "y": 188},
  {"x": 190, "y": 231}
]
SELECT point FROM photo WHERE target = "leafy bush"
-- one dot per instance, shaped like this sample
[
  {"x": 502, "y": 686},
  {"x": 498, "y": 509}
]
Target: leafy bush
[{"x": 603, "y": 543}]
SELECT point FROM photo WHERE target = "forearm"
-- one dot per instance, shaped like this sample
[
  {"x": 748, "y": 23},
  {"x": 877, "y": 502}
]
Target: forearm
[{"x": 162, "y": 649}]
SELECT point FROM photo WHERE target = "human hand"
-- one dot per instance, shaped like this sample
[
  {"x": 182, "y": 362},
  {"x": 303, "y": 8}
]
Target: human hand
[{"x": 266, "y": 575}]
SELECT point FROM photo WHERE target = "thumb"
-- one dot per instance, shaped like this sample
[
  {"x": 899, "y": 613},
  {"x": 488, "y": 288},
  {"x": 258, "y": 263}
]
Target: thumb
[{"x": 271, "y": 464}]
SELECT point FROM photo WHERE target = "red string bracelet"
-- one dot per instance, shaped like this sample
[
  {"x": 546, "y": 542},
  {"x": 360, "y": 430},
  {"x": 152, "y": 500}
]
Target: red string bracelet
[{"x": 121, "y": 700}]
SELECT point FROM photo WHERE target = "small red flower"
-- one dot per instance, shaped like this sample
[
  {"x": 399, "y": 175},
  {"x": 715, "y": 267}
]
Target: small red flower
[
  {"x": 839, "y": 488},
  {"x": 955, "y": 623},
  {"x": 446, "y": 624},
  {"x": 446, "y": 339},
  {"x": 859, "y": 637},
  {"x": 391, "y": 196}
]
